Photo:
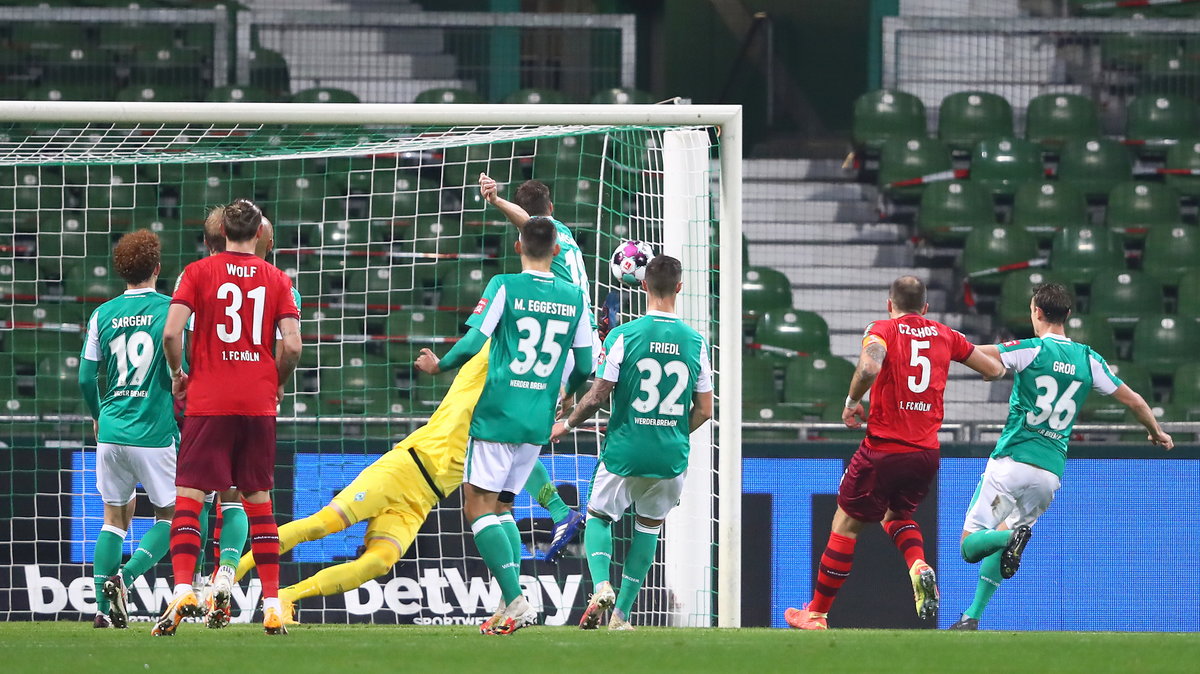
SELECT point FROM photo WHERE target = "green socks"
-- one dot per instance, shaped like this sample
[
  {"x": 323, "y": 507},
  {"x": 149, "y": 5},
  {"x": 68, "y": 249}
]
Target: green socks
[
  {"x": 234, "y": 529},
  {"x": 106, "y": 561},
  {"x": 989, "y": 581},
  {"x": 151, "y": 548},
  {"x": 495, "y": 547},
  {"x": 983, "y": 543},
  {"x": 509, "y": 525},
  {"x": 205, "y": 519},
  {"x": 637, "y": 565},
  {"x": 545, "y": 493},
  {"x": 597, "y": 541}
]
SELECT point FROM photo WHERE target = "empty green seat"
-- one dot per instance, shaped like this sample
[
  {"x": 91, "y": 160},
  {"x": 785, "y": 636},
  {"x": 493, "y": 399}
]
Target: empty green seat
[
  {"x": 1001, "y": 165},
  {"x": 1155, "y": 121},
  {"x": 353, "y": 233},
  {"x": 883, "y": 115},
  {"x": 448, "y": 95},
  {"x": 18, "y": 277},
  {"x": 765, "y": 289},
  {"x": 1078, "y": 253},
  {"x": 949, "y": 210},
  {"x": 815, "y": 382},
  {"x": 1015, "y": 293},
  {"x": 1189, "y": 293},
  {"x": 1164, "y": 343},
  {"x": 156, "y": 92},
  {"x": 1171, "y": 252},
  {"x": 69, "y": 92},
  {"x": 1095, "y": 332},
  {"x": 1053, "y": 119},
  {"x": 1105, "y": 408},
  {"x": 463, "y": 284},
  {"x": 618, "y": 96},
  {"x": 410, "y": 329},
  {"x": 907, "y": 160},
  {"x": 1044, "y": 208},
  {"x": 57, "y": 382},
  {"x": 534, "y": 96},
  {"x": 1185, "y": 388},
  {"x": 269, "y": 72},
  {"x": 759, "y": 386},
  {"x": 768, "y": 412},
  {"x": 990, "y": 247},
  {"x": 968, "y": 117},
  {"x": 1095, "y": 165},
  {"x": 1185, "y": 157},
  {"x": 239, "y": 94},
  {"x": 801, "y": 331},
  {"x": 47, "y": 34},
  {"x": 1125, "y": 296},
  {"x": 168, "y": 66},
  {"x": 400, "y": 196},
  {"x": 300, "y": 198},
  {"x": 361, "y": 386},
  {"x": 324, "y": 95},
  {"x": 1136, "y": 207}
]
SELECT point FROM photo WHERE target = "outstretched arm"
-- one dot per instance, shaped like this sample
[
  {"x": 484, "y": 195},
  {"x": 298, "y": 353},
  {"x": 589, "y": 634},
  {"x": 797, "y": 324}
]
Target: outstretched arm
[
  {"x": 491, "y": 192},
  {"x": 464, "y": 350},
  {"x": 985, "y": 363},
  {"x": 1137, "y": 404}
]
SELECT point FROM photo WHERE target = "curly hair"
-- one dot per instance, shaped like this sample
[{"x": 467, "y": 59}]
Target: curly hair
[
  {"x": 137, "y": 255},
  {"x": 242, "y": 218}
]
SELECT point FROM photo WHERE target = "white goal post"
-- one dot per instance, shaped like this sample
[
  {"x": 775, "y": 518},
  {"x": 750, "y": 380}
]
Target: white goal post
[{"x": 723, "y": 512}]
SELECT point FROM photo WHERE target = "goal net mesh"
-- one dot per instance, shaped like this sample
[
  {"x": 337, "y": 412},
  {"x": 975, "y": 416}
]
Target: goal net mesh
[{"x": 390, "y": 245}]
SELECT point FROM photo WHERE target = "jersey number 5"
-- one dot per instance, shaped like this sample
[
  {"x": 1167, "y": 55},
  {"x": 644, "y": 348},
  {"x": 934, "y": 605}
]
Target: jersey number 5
[
  {"x": 652, "y": 373},
  {"x": 917, "y": 360},
  {"x": 528, "y": 356},
  {"x": 233, "y": 332}
]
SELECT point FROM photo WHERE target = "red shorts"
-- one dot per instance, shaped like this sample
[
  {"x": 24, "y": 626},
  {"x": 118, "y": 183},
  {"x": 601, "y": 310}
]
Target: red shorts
[
  {"x": 222, "y": 451},
  {"x": 876, "y": 482}
]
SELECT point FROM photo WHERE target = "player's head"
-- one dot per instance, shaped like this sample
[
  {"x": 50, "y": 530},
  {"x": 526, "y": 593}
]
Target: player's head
[
  {"x": 214, "y": 238},
  {"x": 266, "y": 239},
  {"x": 534, "y": 197},
  {"x": 137, "y": 257},
  {"x": 242, "y": 220},
  {"x": 539, "y": 239},
  {"x": 907, "y": 296},
  {"x": 1051, "y": 304},
  {"x": 663, "y": 277}
]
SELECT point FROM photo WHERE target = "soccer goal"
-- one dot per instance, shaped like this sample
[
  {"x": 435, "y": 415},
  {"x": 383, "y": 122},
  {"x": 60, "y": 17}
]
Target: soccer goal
[{"x": 379, "y": 221}]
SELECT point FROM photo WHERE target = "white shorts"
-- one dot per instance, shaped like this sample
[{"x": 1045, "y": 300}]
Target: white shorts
[
  {"x": 1012, "y": 492},
  {"x": 499, "y": 466},
  {"x": 119, "y": 469},
  {"x": 597, "y": 358},
  {"x": 651, "y": 497}
]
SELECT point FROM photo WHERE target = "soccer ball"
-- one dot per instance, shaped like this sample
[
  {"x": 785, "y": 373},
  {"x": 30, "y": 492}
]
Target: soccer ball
[{"x": 629, "y": 261}]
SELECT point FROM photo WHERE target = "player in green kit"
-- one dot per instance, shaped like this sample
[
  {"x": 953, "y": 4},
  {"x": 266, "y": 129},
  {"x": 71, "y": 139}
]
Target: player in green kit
[
  {"x": 654, "y": 366},
  {"x": 532, "y": 319},
  {"x": 134, "y": 421},
  {"x": 1053, "y": 376},
  {"x": 531, "y": 200}
]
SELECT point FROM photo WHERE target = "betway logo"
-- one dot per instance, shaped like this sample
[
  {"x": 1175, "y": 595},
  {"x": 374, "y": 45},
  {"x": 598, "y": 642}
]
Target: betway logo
[
  {"x": 474, "y": 596},
  {"x": 48, "y": 594}
]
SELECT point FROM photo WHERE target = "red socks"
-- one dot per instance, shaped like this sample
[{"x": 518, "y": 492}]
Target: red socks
[
  {"x": 185, "y": 538},
  {"x": 834, "y": 569},
  {"x": 264, "y": 545},
  {"x": 906, "y": 535}
]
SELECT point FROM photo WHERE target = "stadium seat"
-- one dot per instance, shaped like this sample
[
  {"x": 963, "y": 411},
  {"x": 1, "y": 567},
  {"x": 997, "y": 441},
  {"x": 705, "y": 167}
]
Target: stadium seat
[
  {"x": 1171, "y": 73},
  {"x": 1137, "y": 207},
  {"x": 883, "y": 115},
  {"x": 69, "y": 92},
  {"x": 352, "y": 233},
  {"x": 1095, "y": 332},
  {"x": 1185, "y": 387},
  {"x": 169, "y": 67},
  {"x": 410, "y": 329},
  {"x": 1164, "y": 343},
  {"x": 26, "y": 192},
  {"x": 1044, "y": 208},
  {"x": 795, "y": 330},
  {"x": 1001, "y": 165},
  {"x": 1015, "y": 293},
  {"x": 1171, "y": 252},
  {"x": 47, "y": 35},
  {"x": 114, "y": 36},
  {"x": 759, "y": 385},
  {"x": 1053, "y": 119},
  {"x": 1104, "y": 408},
  {"x": 361, "y": 386},
  {"x": 968, "y": 117},
  {"x": 269, "y": 72},
  {"x": 1189, "y": 293},
  {"x": 1124, "y": 297},
  {"x": 208, "y": 186},
  {"x": 767, "y": 412},
  {"x": 57, "y": 382},
  {"x": 990, "y": 247},
  {"x": 764, "y": 290},
  {"x": 908, "y": 159},
  {"x": 324, "y": 95},
  {"x": 1078, "y": 253},
  {"x": 400, "y": 196},
  {"x": 622, "y": 97},
  {"x": 1156, "y": 121},
  {"x": 156, "y": 92},
  {"x": 239, "y": 94},
  {"x": 462, "y": 284},
  {"x": 1184, "y": 156},
  {"x": 303, "y": 198},
  {"x": 812, "y": 383},
  {"x": 528, "y": 96},
  {"x": 950, "y": 209},
  {"x": 1094, "y": 166},
  {"x": 18, "y": 277},
  {"x": 448, "y": 95}
]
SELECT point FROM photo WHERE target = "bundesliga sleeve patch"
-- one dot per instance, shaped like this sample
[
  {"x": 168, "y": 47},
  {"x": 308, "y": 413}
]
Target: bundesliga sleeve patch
[
  {"x": 1013, "y": 342},
  {"x": 481, "y": 306}
]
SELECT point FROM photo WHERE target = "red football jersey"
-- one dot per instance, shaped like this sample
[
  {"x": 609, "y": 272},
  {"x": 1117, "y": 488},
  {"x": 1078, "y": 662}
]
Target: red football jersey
[
  {"x": 238, "y": 299},
  {"x": 906, "y": 398}
]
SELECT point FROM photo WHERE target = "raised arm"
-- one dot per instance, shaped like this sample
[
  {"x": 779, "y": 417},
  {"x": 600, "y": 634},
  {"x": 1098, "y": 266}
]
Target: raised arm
[
  {"x": 491, "y": 192},
  {"x": 870, "y": 362},
  {"x": 1137, "y": 404},
  {"x": 986, "y": 361}
]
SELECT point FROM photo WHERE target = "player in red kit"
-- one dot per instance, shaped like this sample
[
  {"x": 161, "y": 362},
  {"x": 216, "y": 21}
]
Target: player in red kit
[
  {"x": 904, "y": 362},
  {"x": 232, "y": 390}
]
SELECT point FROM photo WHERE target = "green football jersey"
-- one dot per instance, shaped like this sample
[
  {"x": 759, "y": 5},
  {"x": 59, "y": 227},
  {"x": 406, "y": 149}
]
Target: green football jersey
[
  {"x": 568, "y": 265},
  {"x": 1053, "y": 378},
  {"x": 126, "y": 335},
  {"x": 657, "y": 362},
  {"x": 533, "y": 319}
]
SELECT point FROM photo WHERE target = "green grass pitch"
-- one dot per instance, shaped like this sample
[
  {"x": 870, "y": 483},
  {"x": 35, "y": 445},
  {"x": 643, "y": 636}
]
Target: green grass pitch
[{"x": 75, "y": 648}]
